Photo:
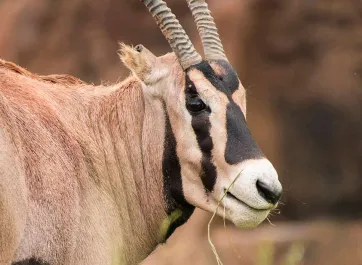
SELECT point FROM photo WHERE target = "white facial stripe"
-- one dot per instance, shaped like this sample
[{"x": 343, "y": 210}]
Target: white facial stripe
[
  {"x": 218, "y": 69},
  {"x": 207, "y": 92},
  {"x": 217, "y": 102},
  {"x": 194, "y": 190},
  {"x": 239, "y": 97}
]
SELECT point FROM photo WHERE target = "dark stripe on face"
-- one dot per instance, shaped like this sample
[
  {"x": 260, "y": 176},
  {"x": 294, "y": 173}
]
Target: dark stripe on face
[
  {"x": 201, "y": 126},
  {"x": 32, "y": 261},
  {"x": 172, "y": 181},
  {"x": 240, "y": 144}
]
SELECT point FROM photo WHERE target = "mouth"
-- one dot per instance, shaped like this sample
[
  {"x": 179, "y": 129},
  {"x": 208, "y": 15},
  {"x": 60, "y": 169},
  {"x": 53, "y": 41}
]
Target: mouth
[{"x": 233, "y": 197}]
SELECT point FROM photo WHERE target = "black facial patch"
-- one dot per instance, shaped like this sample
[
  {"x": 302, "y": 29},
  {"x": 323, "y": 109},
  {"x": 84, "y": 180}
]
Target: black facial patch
[
  {"x": 240, "y": 144},
  {"x": 32, "y": 261},
  {"x": 227, "y": 83},
  {"x": 201, "y": 126},
  {"x": 172, "y": 181}
]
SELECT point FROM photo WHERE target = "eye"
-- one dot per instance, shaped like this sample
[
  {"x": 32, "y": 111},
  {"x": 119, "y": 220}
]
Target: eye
[{"x": 195, "y": 104}]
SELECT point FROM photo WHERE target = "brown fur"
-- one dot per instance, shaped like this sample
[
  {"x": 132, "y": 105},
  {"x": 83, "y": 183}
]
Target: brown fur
[
  {"x": 66, "y": 80},
  {"x": 76, "y": 184}
]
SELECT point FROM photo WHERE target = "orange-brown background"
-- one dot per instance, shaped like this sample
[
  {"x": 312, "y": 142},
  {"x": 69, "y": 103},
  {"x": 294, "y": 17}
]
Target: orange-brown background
[{"x": 301, "y": 62}]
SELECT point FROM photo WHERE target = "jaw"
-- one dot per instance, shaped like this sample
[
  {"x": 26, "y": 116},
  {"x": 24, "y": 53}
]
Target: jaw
[
  {"x": 238, "y": 199},
  {"x": 241, "y": 214}
]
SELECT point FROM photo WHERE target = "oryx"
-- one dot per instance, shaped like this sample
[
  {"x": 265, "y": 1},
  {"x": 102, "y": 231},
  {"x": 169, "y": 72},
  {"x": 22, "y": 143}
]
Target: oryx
[{"x": 102, "y": 174}]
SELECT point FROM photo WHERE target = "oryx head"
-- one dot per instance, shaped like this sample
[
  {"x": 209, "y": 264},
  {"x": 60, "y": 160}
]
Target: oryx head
[{"x": 209, "y": 150}]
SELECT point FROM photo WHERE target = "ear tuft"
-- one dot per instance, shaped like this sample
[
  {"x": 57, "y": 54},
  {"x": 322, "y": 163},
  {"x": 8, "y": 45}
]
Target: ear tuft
[
  {"x": 138, "y": 59},
  {"x": 143, "y": 63},
  {"x": 132, "y": 58}
]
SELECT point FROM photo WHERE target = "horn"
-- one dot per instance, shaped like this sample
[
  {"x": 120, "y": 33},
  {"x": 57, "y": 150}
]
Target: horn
[
  {"x": 206, "y": 27},
  {"x": 174, "y": 33}
]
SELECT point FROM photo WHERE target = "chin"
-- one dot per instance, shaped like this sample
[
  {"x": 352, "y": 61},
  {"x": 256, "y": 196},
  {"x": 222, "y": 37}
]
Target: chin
[
  {"x": 248, "y": 221},
  {"x": 243, "y": 216}
]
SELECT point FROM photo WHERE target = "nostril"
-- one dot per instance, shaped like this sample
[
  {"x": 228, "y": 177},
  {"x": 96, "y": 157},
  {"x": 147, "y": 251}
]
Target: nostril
[{"x": 270, "y": 194}]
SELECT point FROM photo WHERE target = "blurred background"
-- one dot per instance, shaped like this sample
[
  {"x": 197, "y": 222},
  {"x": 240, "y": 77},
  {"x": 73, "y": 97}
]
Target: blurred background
[{"x": 301, "y": 63}]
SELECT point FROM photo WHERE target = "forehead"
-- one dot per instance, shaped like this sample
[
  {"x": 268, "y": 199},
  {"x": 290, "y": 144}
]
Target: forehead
[{"x": 220, "y": 74}]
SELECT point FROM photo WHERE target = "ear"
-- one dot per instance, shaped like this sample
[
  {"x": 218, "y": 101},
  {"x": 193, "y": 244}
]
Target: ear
[{"x": 143, "y": 63}]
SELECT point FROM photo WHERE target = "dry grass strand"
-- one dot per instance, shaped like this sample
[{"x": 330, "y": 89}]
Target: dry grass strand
[{"x": 213, "y": 248}]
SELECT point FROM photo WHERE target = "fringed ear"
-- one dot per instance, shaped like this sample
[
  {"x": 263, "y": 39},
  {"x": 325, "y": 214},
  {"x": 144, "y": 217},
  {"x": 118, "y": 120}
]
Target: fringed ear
[{"x": 143, "y": 63}]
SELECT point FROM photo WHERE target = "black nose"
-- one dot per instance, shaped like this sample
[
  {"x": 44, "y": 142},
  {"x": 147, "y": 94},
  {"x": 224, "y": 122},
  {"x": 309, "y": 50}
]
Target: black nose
[{"x": 270, "y": 194}]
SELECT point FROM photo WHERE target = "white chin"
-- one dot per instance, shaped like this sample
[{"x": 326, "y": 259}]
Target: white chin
[{"x": 242, "y": 215}]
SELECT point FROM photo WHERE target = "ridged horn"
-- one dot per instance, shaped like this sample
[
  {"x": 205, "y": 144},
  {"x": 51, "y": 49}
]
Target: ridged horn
[
  {"x": 174, "y": 33},
  {"x": 210, "y": 39}
]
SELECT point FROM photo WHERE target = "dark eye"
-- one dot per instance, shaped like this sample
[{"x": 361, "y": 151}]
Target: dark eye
[{"x": 195, "y": 104}]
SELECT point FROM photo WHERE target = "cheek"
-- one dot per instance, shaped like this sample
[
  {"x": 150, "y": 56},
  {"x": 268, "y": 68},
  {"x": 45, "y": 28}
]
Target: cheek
[{"x": 187, "y": 147}]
